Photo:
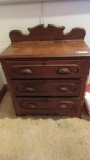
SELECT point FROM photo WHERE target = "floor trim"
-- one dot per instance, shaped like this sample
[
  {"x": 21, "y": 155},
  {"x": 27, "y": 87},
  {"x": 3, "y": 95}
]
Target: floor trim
[{"x": 3, "y": 91}]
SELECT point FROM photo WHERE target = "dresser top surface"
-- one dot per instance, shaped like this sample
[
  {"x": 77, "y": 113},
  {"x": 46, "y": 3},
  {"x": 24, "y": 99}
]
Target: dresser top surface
[{"x": 31, "y": 49}]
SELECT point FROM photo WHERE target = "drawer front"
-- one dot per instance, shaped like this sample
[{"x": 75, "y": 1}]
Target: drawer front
[
  {"x": 46, "y": 105},
  {"x": 46, "y": 87},
  {"x": 46, "y": 69}
]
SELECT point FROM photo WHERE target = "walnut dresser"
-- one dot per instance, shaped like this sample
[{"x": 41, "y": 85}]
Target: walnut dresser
[{"x": 46, "y": 71}]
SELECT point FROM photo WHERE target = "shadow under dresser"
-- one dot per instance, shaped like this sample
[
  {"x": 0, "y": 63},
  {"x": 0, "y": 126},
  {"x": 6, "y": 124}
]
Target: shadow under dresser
[{"x": 47, "y": 70}]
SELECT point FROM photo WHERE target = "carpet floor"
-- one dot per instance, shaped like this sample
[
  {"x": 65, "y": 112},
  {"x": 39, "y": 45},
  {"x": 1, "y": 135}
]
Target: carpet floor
[{"x": 42, "y": 137}]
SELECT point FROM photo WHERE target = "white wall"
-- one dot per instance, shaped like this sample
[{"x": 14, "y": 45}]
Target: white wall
[{"x": 61, "y": 13}]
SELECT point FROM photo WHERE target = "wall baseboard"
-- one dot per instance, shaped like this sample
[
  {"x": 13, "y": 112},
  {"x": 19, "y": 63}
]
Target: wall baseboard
[{"x": 3, "y": 91}]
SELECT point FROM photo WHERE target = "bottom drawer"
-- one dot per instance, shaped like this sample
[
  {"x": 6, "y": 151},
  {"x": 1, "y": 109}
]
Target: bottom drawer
[{"x": 47, "y": 106}]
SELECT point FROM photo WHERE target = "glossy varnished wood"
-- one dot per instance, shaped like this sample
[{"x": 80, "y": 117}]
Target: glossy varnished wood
[
  {"x": 60, "y": 106},
  {"x": 46, "y": 42},
  {"x": 47, "y": 87},
  {"x": 45, "y": 74},
  {"x": 41, "y": 33},
  {"x": 40, "y": 49},
  {"x": 45, "y": 69}
]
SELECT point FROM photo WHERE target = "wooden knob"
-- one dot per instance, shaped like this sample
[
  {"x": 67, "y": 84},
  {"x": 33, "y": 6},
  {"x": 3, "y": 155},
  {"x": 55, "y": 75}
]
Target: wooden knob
[
  {"x": 28, "y": 105},
  {"x": 66, "y": 105},
  {"x": 64, "y": 89},
  {"x": 63, "y": 106},
  {"x": 29, "y": 89},
  {"x": 26, "y": 71},
  {"x": 64, "y": 70},
  {"x": 31, "y": 106}
]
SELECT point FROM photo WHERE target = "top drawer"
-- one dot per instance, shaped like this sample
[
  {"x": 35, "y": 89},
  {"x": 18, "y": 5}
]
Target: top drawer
[{"x": 45, "y": 69}]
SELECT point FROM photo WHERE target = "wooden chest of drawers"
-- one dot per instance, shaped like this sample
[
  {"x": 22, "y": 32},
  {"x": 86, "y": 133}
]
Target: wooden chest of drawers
[{"x": 46, "y": 71}]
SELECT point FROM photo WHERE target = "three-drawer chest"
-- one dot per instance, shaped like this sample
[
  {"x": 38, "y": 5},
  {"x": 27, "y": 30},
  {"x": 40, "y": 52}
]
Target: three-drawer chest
[{"x": 46, "y": 71}]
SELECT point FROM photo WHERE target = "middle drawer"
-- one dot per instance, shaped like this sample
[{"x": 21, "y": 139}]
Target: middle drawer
[{"x": 46, "y": 87}]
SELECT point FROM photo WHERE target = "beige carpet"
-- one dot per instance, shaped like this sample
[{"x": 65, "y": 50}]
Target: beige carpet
[{"x": 42, "y": 138}]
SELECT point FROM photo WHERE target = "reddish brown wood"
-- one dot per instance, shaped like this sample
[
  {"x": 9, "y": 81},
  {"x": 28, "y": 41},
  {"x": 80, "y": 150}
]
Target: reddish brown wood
[
  {"x": 41, "y": 33},
  {"x": 46, "y": 87},
  {"x": 47, "y": 55},
  {"x": 45, "y": 69},
  {"x": 45, "y": 49},
  {"x": 64, "y": 106}
]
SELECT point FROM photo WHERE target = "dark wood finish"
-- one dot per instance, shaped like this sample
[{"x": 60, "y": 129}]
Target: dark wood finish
[
  {"x": 40, "y": 33},
  {"x": 45, "y": 74},
  {"x": 49, "y": 103},
  {"x": 60, "y": 106},
  {"x": 46, "y": 87},
  {"x": 45, "y": 69},
  {"x": 3, "y": 92},
  {"x": 45, "y": 50}
]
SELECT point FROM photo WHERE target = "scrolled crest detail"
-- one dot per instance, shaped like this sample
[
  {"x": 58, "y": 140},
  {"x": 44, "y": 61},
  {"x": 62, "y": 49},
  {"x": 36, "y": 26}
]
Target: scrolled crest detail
[{"x": 41, "y": 33}]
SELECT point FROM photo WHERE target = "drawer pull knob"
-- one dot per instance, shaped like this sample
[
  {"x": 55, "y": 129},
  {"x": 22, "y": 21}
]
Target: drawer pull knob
[
  {"x": 64, "y": 89},
  {"x": 28, "y": 105},
  {"x": 64, "y": 70},
  {"x": 31, "y": 106},
  {"x": 66, "y": 105},
  {"x": 63, "y": 106},
  {"x": 29, "y": 89},
  {"x": 26, "y": 71}
]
